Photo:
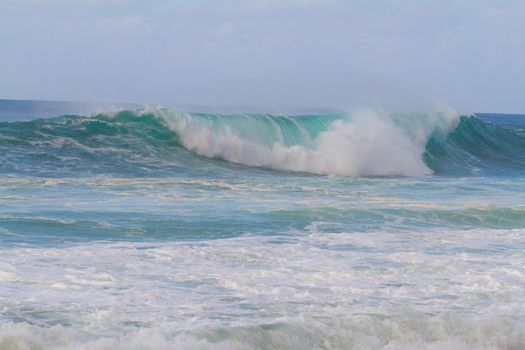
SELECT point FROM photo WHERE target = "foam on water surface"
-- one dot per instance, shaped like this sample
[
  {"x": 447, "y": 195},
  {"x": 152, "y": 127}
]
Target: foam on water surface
[{"x": 319, "y": 290}]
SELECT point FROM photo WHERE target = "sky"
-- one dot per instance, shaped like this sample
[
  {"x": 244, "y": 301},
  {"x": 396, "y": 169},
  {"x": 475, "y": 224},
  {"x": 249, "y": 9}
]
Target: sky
[{"x": 266, "y": 53}]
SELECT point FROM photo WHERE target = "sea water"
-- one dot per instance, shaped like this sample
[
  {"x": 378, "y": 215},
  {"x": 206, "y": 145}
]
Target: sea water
[{"x": 154, "y": 228}]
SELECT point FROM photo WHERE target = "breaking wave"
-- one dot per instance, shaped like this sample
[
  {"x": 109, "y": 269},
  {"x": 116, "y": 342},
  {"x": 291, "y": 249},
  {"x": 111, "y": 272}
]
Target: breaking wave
[{"x": 366, "y": 143}]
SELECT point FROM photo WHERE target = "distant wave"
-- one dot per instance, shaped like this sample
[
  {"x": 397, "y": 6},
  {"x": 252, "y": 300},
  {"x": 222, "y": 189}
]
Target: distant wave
[{"x": 367, "y": 143}]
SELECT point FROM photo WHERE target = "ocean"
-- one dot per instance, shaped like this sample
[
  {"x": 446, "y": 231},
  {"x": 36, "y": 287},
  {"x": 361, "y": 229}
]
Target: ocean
[{"x": 157, "y": 228}]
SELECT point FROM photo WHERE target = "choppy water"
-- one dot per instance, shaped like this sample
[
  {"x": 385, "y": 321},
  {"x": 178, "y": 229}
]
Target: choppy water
[{"x": 156, "y": 228}]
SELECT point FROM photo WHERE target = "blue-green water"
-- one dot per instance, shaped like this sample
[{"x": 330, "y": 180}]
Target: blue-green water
[{"x": 157, "y": 228}]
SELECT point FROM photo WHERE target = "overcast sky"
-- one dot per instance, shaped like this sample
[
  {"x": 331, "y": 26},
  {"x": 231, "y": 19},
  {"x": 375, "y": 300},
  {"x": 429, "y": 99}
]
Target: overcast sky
[{"x": 302, "y": 53}]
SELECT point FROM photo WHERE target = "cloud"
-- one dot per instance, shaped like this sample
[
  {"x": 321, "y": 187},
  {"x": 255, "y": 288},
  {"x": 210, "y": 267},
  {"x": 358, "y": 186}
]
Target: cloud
[
  {"x": 225, "y": 29},
  {"x": 125, "y": 25}
]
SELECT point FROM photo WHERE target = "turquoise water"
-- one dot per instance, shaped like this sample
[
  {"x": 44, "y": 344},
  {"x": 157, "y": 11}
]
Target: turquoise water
[{"x": 156, "y": 228}]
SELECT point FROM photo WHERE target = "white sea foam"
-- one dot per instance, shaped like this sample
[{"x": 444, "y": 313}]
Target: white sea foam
[
  {"x": 357, "y": 332},
  {"x": 445, "y": 290},
  {"x": 365, "y": 143}
]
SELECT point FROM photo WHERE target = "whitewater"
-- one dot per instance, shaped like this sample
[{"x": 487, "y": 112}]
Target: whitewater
[{"x": 158, "y": 228}]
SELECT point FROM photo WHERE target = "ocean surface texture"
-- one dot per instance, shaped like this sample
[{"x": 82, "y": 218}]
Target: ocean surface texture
[{"x": 154, "y": 228}]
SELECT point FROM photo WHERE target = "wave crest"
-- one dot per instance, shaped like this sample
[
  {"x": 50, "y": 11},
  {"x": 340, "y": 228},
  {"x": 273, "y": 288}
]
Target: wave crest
[
  {"x": 161, "y": 141},
  {"x": 365, "y": 143}
]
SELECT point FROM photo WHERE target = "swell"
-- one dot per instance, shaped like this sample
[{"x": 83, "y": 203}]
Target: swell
[
  {"x": 155, "y": 142},
  {"x": 477, "y": 146},
  {"x": 54, "y": 229}
]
